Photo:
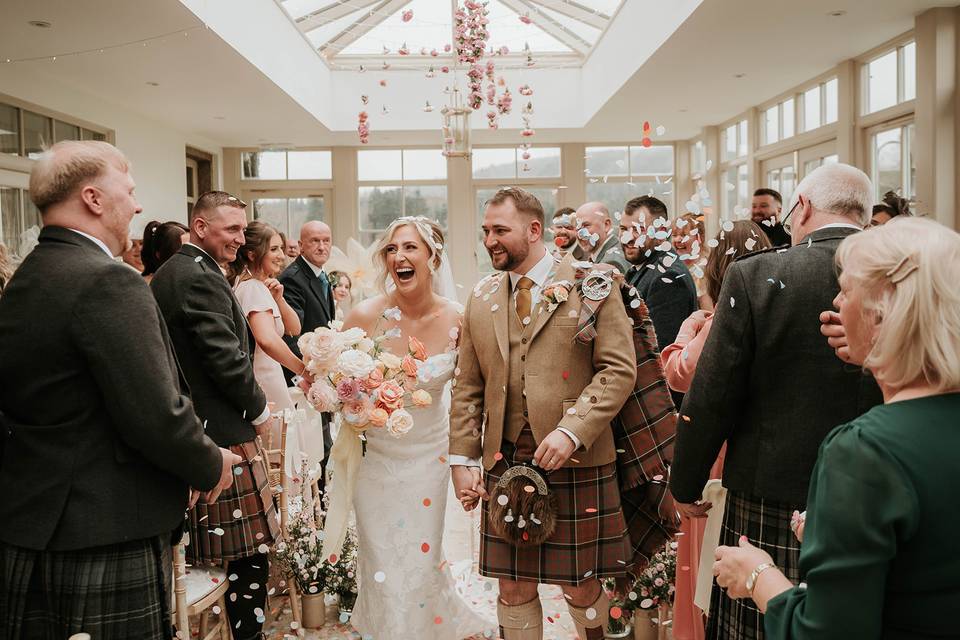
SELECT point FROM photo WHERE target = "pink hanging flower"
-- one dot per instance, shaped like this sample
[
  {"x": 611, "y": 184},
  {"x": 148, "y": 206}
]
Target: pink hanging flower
[
  {"x": 525, "y": 18},
  {"x": 362, "y": 127},
  {"x": 525, "y": 90},
  {"x": 407, "y": 15}
]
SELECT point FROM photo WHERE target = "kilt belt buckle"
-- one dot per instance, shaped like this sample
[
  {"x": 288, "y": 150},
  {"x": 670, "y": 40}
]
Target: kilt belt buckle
[{"x": 523, "y": 510}]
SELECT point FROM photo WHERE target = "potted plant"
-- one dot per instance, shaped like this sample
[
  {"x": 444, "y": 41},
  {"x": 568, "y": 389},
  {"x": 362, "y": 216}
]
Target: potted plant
[
  {"x": 651, "y": 595},
  {"x": 617, "y": 625},
  {"x": 300, "y": 556},
  {"x": 341, "y": 576}
]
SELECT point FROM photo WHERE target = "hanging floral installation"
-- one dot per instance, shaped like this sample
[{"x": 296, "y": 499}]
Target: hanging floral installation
[
  {"x": 363, "y": 129},
  {"x": 471, "y": 35}
]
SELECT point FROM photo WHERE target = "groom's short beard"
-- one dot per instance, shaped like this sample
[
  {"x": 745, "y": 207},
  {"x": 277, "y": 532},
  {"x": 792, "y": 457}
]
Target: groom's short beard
[{"x": 513, "y": 260}]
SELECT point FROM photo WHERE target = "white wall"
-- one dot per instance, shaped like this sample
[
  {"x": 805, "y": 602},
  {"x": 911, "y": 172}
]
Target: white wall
[{"x": 156, "y": 151}]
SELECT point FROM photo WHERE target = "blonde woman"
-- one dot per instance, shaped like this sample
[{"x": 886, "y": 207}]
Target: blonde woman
[{"x": 877, "y": 557}]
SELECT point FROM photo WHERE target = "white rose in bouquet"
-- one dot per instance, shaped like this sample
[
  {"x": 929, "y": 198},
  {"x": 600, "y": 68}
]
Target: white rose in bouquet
[
  {"x": 351, "y": 336},
  {"x": 389, "y": 360},
  {"x": 365, "y": 345},
  {"x": 355, "y": 364},
  {"x": 323, "y": 397},
  {"x": 320, "y": 349},
  {"x": 399, "y": 423}
]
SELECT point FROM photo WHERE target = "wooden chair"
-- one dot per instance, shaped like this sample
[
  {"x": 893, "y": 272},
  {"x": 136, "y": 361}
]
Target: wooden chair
[{"x": 200, "y": 592}]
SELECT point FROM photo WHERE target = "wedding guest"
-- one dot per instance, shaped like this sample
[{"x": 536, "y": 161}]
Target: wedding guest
[
  {"x": 306, "y": 288},
  {"x": 131, "y": 256},
  {"x": 342, "y": 293},
  {"x": 564, "y": 230},
  {"x": 679, "y": 361},
  {"x": 99, "y": 443},
  {"x": 662, "y": 280},
  {"x": 891, "y": 207},
  {"x": 160, "y": 241},
  {"x": 260, "y": 294},
  {"x": 597, "y": 236},
  {"x": 6, "y": 267},
  {"x": 689, "y": 241},
  {"x": 873, "y": 562},
  {"x": 768, "y": 386},
  {"x": 765, "y": 211},
  {"x": 211, "y": 339},
  {"x": 290, "y": 247}
]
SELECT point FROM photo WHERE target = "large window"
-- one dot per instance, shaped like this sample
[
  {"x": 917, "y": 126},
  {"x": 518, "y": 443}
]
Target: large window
[
  {"x": 733, "y": 141},
  {"x": 288, "y": 215},
  {"x": 27, "y": 133},
  {"x": 286, "y": 165},
  {"x": 617, "y": 174},
  {"x": 819, "y": 105},
  {"x": 395, "y": 183},
  {"x": 890, "y": 78},
  {"x": 17, "y": 214},
  {"x": 520, "y": 163},
  {"x": 778, "y": 122},
  {"x": 736, "y": 191},
  {"x": 892, "y": 163}
]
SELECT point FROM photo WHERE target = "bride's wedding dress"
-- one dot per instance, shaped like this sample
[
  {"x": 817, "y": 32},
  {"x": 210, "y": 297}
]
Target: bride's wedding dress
[{"x": 406, "y": 589}]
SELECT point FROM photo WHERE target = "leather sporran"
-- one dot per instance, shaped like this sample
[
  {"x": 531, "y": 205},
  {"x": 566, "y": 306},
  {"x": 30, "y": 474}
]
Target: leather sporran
[{"x": 522, "y": 509}]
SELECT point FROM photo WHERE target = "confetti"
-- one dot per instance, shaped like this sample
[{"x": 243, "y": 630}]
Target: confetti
[
  {"x": 616, "y": 612},
  {"x": 380, "y": 576},
  {"x": 498, "y": 456},
  {"x": 591, "y": 510},
  {"x": 591, "y": 613},
  {"x": 425, "y": 547},
  {"x": 733, "y": 303},
  {"x": 237, "y": 513},
  {"x": 426, "y": 502},
  {"x": 438, "y": 620},
  {"x": 502, "y": 500}
]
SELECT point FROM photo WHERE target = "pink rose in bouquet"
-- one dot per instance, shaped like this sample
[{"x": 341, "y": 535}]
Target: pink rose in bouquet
[
  {"x": 348, "y": 389},
  {"x": 356, "y": 412},
  {"x": 409, "y": 366},
  {"x": 390, "y": 396},
  {"x": 323, "y": 397},
  {"x": 372, "y": 381}
]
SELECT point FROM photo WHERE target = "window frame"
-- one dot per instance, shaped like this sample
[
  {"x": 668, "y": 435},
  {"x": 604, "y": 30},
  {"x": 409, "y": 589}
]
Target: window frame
[
  {"x": 23, "y": 162},
  {"x": 630, "y": 177},
  {"x": 863, "y": 80},
  {"x": 286, "y": 166},
  {"x": 903, "y": 123}
]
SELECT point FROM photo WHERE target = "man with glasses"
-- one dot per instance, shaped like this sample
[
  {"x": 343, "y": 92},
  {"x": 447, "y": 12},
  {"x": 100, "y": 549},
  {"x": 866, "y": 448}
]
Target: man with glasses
[
  {"x": 769, "y": 385},
  {"x": 765, "y": 211}
]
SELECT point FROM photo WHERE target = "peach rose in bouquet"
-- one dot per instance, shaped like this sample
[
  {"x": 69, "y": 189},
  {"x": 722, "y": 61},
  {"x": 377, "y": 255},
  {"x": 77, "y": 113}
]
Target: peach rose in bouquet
[
  {"x": 379, "y": 417},
  {"x": 421, "y": 398},
  {"x": 390, "y": 396},
  {"x": 372, "y": 381},
  {"x": 417, "y": 350},
  {"x": 409, "y": 366}
]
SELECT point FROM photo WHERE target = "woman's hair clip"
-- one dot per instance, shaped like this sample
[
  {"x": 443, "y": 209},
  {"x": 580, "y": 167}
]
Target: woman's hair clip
[{"x": 904, "y": 268}]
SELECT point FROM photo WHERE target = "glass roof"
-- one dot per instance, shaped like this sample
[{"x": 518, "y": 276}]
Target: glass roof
[{"x": 363, "y": 28}]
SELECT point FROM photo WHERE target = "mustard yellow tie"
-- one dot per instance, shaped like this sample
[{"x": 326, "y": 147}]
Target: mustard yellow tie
[{"x": 524, "y": 285}]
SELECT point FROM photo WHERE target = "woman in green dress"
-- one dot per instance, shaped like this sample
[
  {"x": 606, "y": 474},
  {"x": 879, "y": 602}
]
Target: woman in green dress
[{"x": 879, "y": 556}]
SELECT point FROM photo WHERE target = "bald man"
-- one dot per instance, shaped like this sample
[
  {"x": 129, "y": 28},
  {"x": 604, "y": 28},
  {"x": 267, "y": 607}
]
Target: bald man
[
  {"x": 596, "y": 234},
  {"x": 306, "y": 288}
]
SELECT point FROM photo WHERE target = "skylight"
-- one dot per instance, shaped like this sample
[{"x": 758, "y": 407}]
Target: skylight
[{"x": 345, "y": 31}]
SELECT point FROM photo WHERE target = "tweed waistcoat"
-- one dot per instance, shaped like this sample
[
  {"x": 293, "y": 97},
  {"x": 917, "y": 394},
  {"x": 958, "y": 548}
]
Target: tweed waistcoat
[{"x": 515, "y": 415}]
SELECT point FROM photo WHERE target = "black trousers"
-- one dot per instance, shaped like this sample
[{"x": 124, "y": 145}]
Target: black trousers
[{"x": 247, "y": 595}]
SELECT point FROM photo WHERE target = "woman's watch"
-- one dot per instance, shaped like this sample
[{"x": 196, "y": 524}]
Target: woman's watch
[{"x": 755, "y": 574}]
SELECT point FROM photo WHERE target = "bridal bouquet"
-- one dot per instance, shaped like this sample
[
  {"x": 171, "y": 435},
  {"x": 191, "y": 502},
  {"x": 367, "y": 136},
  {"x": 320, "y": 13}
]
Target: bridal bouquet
[{"x": 367, "y": 385}]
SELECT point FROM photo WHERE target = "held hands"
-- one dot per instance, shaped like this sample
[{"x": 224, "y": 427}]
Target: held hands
[
  {"x": 226, "y": 477},
  {"x": 735, "y": 564},
  {"x": 694, "y": 509},
  {"x": 554, "y": 451},
  {"x": 468, "y": 486},
  {"x": 275, "y": 288},
  {"x": 797, "y": 522}
]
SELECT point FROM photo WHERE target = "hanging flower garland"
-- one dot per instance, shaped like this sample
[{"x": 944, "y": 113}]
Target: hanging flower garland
[
  {"x": 471, "y": 35},
  {"x": 362, "y": 128}
]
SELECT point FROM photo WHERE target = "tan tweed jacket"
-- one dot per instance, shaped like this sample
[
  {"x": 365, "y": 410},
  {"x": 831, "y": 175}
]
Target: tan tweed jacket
[{"x": 575, "y": 386}]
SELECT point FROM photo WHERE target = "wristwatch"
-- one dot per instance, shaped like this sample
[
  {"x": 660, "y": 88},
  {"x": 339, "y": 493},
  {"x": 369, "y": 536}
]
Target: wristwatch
[{"x": 755, "y": 574}]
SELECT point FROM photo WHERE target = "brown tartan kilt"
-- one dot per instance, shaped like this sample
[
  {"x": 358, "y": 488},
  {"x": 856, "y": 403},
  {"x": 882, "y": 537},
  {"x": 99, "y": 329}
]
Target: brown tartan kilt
[
  {"x": 258, "y": 524},
  {"x": 585, "y": 545}
]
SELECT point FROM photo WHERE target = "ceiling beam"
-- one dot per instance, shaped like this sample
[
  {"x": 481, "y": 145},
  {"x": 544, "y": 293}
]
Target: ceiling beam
[
  {"x": 378, "y": 14},
  {"x": 331, "y": 12},
  {"x": 577, "y": 11},
  {"x": 548, "y": 24}
]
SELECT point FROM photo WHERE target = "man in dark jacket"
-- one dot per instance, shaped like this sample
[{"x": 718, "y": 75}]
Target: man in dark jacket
[
  {"x": 765, "y": 211},
  {"x": 769, "y": 386},
  {"x": 99, "y": 444}
]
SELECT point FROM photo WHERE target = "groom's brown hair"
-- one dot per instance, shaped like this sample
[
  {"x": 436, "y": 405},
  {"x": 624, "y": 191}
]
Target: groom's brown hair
[{"x": 525, "y": 202}]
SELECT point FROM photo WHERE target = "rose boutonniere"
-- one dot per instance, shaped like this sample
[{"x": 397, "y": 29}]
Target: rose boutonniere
[{"x": 555, "y": 294}]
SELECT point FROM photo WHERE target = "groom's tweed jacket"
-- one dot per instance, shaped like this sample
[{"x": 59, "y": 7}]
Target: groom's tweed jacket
[{"x": 579, "y": 387}]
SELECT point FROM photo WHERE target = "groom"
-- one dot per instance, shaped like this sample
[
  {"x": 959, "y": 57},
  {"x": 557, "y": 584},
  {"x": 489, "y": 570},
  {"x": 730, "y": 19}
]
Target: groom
[{"x": 540, "y": 396}]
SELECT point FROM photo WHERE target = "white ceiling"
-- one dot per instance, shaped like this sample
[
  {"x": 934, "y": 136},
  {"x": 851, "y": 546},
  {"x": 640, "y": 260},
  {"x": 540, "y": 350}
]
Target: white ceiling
[{"x": 686, "y": 84}]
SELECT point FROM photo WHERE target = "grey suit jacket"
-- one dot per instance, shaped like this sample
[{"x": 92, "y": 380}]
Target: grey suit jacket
[
  {"x": 98, "y": 441},
  {"x": 213, "y": 343},
  {"x": 612, "y": 253},
  {"x": 767, "y": 382}
]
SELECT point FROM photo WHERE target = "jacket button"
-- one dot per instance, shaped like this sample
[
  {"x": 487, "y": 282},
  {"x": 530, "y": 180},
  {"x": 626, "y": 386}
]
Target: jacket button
[
  {"x": 524, "y": 413},
  {"x": 593, "y": 399},
  {"x": 523, "y": 358},
  {"x": 603, "y": 380},
  {"x": 523, "y": 341}
]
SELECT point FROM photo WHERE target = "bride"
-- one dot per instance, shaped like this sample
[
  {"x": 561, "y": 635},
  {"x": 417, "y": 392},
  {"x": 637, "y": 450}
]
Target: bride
[{"x": 401, "y": 488}]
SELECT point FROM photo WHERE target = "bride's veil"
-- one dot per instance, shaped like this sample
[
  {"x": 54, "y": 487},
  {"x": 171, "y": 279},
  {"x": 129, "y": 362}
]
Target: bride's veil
[{"x": 443, "y": 284}]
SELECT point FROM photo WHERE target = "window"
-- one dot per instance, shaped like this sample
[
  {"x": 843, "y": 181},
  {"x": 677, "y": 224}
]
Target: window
[
  {"x": 534, "y": 162},
  {"x": 37, "y": 133},
  {"x": 698, "y": 158},
  {"x": 617, "y": 174},
  {"x": 289, "y": 214},
  {"x": 783, "y": 180},
  {"x": 830, "y": 101},
  {"x": 286, "y": 165},
  {"x": 893, "y": 167},
  {"x": 65, "y": 131},
  {"x": 27, "y": 133},
  {"x": 395, "y": 183},
  {"x": 890, "y": 78},
  {"x": 9, "y": 130},
  {"x": 779, "y": 121},
  {"x": 17, "y": 214},
  {"x": 736, "y": 190},
  {"x": 819, "y": 105},
  {"x": 733, "y": 143}
]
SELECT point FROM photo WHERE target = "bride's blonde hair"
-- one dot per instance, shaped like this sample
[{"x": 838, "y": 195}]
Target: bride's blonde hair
[{"x": 428, "y": 230}]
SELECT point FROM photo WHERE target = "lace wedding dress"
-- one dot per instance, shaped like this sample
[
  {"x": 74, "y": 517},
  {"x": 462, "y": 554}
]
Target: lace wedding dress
[{"x": 406, "y": 589}]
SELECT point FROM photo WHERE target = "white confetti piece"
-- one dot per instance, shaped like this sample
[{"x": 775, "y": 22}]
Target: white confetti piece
[
  {"x": 591, "y": 613},
  {"x": 380, "y": 576},
  {"x": 237, "y": 513},
  {"x": 733, "y": 303},
  {"x": 502, "y": 500}
]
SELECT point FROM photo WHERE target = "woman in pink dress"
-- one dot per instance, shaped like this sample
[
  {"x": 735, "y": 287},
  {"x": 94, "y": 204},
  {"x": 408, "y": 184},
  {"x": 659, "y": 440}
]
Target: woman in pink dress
[
  {"x": 679, "y": 362},
  {"x": 260, "y": 295}
]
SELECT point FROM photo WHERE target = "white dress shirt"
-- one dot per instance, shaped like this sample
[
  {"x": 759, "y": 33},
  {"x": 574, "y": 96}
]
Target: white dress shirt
[
  {"x": 539, "y": 274},
  {"x": 100, "y": 243}
]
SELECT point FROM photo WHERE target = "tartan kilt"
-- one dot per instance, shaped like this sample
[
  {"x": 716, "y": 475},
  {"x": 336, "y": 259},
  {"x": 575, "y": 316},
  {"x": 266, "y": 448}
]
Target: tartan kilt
[
  {"x": 766, "y": 524},
  {"x": 590, "y": 540},
  {"x": 217, "y": 534},
  {"x": 118, "y": 591}
]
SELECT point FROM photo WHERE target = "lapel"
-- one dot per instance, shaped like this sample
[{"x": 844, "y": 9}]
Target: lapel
[
  {"x": 503, "y": 315},
  {"x": 608, "y": 243},
  {"x": 561, "y": 271},
  {"x": 241, "y": 325},
  {"x": 316, "y": 286}
]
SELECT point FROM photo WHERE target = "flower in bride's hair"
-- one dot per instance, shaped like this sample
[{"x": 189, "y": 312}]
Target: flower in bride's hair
[
  {"x": 357, "y": 412},
  {"x": 348, "y": 389},
  {"x": 320, "y": 349},
  {"x": 409, "y": 366},
  {"x": 372, "y": 381},
  {"x": 390, "y": 396},
  {"x": 355, "y": 364},
  {"x": 322, "y": 396},
  {"x": 421, "y": 398},
  {"x": 389, "y": 360},
  {"x": 378, "y": 417},
  {"x": 417, "y": 350},
  {"x": 399, "y": 423}
]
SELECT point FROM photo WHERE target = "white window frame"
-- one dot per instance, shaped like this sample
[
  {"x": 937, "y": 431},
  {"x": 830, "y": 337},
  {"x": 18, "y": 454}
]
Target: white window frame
[{"x": 863, "y": 77}]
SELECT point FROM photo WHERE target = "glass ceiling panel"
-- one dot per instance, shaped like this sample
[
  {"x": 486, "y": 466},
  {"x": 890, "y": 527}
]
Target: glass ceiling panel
[
  {"x": 585, "y": 31},
  {"x": 507, "y": 29},
  {"x": 299, "y": 8},
  {"x": 331, "y": 29},
  {"x": 431, "y": 27}
]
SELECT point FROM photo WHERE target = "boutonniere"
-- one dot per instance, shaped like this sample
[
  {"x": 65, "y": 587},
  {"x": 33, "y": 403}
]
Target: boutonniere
[{"x": 555, "y": 294}]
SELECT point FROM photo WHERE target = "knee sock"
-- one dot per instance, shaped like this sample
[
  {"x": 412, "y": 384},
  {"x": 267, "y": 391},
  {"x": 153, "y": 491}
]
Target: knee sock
[
  {"x": 522, "y": 621},
  {"x": 247, "y": 595},
  {"x": 591, "y": 621}
]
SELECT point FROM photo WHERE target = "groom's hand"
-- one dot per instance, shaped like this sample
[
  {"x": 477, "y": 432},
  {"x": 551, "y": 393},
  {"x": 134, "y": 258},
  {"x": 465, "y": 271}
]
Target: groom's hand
[
  {"x": 554, "y": 451},
  {"x": 468, "y": 485}
]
